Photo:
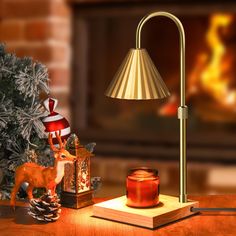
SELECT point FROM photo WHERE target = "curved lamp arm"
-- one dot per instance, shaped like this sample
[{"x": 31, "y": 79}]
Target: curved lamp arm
[
  {"x": 182, "y": 110},
  {"x": 181, "y": 41}
]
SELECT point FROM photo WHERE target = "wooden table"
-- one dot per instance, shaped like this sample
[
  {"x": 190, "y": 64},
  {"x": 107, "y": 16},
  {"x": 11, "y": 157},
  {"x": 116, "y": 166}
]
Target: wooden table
[{"x": 81, "y": 223}]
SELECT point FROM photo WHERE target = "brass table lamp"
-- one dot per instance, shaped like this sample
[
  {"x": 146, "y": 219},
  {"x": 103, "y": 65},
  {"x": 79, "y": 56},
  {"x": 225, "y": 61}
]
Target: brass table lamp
[{"x": 138, "y": 78}]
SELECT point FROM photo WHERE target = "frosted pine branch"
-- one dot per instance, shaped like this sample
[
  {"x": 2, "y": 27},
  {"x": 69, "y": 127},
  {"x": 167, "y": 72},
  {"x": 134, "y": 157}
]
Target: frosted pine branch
[
  {"x": 21, "y": 83},
  {"x": 30, "y": 119},
  {"x": 29, "y": 81}
]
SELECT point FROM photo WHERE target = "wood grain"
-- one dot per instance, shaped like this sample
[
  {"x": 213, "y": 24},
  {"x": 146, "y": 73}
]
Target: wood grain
[
  {"x": 80, "y": 222},
  {"x": 168, "y": 210}
]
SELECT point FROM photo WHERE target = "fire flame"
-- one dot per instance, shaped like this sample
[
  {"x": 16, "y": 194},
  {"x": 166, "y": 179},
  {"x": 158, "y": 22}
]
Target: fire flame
[{"x": 211, "y": 71}]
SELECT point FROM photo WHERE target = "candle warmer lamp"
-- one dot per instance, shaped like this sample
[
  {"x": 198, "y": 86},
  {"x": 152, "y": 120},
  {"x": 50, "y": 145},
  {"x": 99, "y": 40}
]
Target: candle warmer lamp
[{"x": 138, "y": 79}]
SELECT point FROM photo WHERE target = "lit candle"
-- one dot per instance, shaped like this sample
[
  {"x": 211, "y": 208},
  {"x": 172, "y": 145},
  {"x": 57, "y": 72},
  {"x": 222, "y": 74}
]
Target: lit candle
[{"x": 142, "y": 187}]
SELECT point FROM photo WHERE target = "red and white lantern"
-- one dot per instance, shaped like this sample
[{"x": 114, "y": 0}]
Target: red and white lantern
[{"x": 54, "y": 121}]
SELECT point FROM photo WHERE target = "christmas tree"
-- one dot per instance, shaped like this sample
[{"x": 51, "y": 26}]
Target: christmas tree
[{"x": 22, "y": 82}]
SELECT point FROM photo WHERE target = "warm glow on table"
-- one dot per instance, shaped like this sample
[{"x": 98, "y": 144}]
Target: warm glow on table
[{"x": 80, "y": 222}]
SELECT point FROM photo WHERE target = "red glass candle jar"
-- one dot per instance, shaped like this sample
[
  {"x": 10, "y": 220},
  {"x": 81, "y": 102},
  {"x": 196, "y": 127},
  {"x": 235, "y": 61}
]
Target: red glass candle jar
[{"x": 142, "y": 187}]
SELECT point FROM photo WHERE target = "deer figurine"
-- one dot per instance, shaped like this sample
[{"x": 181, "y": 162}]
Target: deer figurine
[{"x": 43, "y": 177}]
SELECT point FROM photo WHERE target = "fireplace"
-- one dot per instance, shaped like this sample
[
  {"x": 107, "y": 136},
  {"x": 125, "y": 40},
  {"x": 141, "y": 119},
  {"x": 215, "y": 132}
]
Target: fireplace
[{"x": 104, "y": 32}]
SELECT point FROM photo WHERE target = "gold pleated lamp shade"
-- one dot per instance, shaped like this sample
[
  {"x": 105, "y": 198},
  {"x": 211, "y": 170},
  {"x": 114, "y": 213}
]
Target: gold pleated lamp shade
[{"x": 137, "y": 78}]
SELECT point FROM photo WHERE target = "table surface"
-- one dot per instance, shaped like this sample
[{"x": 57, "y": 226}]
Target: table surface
[{"x": 80, "y": 222}]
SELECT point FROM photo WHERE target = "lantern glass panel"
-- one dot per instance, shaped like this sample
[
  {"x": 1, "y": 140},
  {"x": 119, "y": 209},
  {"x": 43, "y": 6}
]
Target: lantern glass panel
[{"x": 82, "y": 178}]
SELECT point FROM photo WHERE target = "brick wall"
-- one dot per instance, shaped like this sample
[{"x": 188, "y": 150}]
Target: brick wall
[{"x": 41, "y": 29}]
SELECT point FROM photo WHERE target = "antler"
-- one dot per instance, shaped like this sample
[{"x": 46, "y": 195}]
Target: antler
[
  {"x": 61, "y": 144},
  {"x": 51, "y": 143}
]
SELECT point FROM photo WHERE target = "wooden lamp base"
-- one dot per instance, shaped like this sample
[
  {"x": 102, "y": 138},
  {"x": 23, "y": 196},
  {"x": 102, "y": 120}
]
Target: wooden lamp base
[
  {"x": 168, "y": 210},
  {"x": 73, "y": 200}
]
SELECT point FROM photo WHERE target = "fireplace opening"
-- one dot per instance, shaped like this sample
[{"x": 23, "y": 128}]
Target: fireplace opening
[
  {"x": 146, "y": 133},
  {"x": 102, "y": 37}
]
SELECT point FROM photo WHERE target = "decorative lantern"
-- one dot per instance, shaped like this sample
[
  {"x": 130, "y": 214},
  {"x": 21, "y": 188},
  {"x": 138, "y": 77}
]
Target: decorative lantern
[{"x": 76, "y": 187}]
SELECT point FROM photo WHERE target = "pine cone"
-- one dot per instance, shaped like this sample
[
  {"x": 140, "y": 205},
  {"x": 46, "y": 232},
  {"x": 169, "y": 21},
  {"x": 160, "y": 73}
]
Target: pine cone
[{"x": 46, "y": 208}]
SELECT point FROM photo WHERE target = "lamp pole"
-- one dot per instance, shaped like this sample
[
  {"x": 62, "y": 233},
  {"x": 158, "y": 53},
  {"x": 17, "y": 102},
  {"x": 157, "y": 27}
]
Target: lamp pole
[{"x": 183, "y": 109}]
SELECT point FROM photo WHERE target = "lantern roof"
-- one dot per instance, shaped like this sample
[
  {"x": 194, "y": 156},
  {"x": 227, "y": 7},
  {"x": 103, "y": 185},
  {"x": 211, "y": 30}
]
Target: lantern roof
[{"x": 82, "y": 152}]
